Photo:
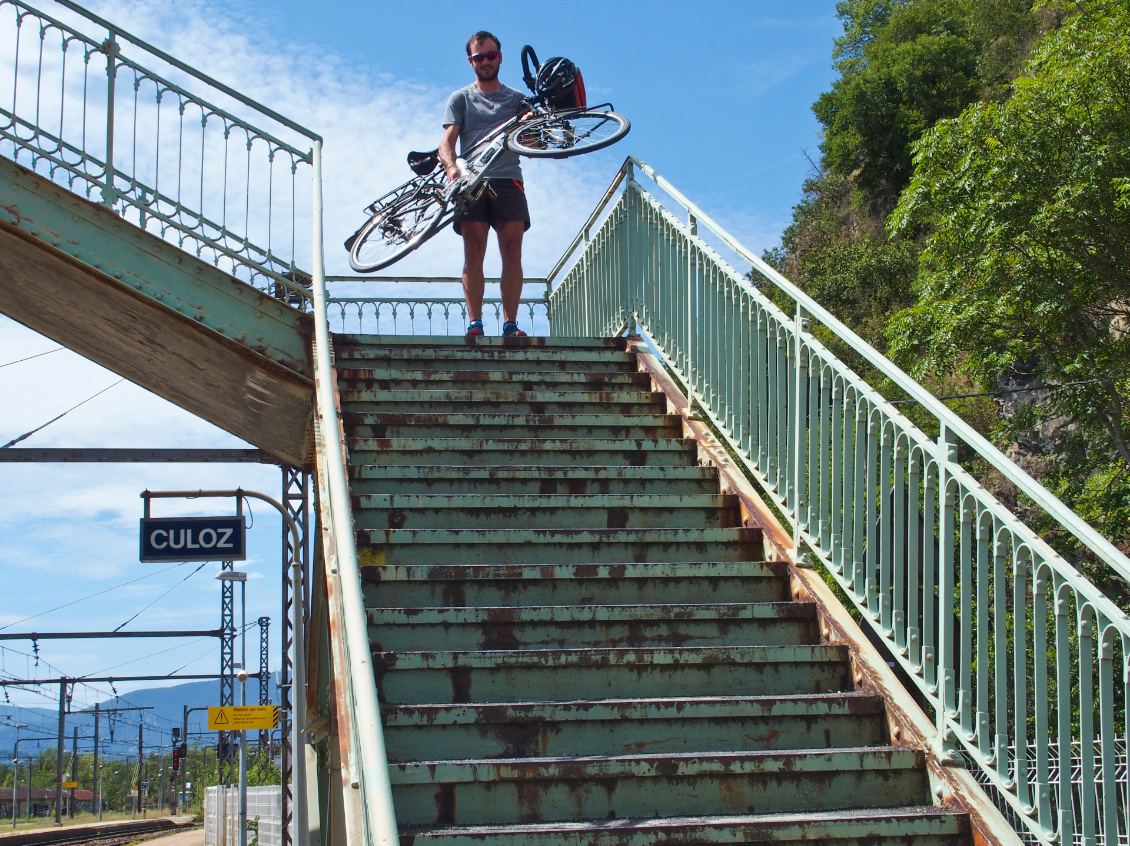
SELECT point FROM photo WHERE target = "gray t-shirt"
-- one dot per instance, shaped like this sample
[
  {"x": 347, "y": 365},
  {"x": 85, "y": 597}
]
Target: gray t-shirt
[{"x": 476, "y": 113}]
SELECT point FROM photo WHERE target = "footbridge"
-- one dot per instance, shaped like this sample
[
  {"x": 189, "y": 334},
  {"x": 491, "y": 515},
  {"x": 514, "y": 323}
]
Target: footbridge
[{"x": 667, "y": 572}]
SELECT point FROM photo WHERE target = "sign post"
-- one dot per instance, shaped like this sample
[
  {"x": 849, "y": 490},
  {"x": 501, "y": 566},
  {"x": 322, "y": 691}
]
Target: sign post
[{"x": 206, "y": 543}]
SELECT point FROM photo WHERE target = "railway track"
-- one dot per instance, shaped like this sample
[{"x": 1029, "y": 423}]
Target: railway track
[{"x": 107, "y": 834}]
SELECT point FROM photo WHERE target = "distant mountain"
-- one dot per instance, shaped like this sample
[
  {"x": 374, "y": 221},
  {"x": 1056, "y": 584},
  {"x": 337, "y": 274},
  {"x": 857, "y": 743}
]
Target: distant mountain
[{"x": 118, "y": 732}]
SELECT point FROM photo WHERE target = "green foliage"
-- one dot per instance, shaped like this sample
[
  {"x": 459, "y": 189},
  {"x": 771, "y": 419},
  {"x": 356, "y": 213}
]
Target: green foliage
[
  {"x": 1027, "y": 266},
  {"x": 904, "y": 66},
  {"x": 860, "y": 276},
  {"x": 863, "y": 20}
]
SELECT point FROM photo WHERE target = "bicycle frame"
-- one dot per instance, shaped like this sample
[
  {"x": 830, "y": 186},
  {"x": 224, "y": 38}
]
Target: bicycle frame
[
  {"x": 476, "y": 163},
  {"x": 418, "y": 196}
]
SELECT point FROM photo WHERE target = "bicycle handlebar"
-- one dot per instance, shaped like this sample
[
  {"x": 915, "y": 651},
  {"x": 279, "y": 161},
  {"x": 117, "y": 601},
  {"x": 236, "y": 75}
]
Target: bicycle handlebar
[{"x": 530, "y": 79}]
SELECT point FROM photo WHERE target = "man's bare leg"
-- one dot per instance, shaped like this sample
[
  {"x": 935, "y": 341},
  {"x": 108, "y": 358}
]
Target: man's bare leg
[
  {"x": 474, "y": 234},
  {"x": 510, "y": 235}
]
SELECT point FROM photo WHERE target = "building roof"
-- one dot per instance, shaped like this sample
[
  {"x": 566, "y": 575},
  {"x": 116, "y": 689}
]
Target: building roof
[{"x": 43, "y": 794}]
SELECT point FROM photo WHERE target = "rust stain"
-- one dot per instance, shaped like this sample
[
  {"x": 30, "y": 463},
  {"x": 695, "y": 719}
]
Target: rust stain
[
  {"x": 767, "y": 740},
  {"x": 500, "y": 637},
  {"x": 445, "y": 804},
  {"x": 529, "y": 798},
  {"x": 460, "y": 684},
  {"x": 617, "y": 518}
]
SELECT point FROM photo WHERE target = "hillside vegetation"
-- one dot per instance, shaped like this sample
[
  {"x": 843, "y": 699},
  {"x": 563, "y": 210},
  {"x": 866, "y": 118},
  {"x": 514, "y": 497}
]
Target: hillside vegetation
[{"x": 970, "y": 217}]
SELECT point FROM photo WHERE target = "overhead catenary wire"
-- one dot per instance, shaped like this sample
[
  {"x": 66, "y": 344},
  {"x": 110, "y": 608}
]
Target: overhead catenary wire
[
  {"x": 162, "y": 596},
  {"x": 161, "y": 652},
  {"x": 30, "y": 357},
  {"x": 92, "y": 596},
  {"x": 27, "y": 435}
]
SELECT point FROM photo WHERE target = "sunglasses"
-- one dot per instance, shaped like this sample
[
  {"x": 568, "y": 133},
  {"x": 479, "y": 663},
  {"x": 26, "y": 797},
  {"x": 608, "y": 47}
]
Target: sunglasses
[{"x": 489, "y": 56}]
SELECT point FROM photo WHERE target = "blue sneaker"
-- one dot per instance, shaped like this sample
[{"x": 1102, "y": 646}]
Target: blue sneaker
[
  {"x": 475, "y": 329},
  {"x": 510, "y": 330}
]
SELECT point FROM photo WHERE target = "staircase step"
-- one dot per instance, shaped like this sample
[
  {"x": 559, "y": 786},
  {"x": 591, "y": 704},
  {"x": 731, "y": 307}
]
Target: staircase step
[
  {"x": 516, "y": 790},
  {"x": 574, "y": 640},
  {"x": 536, "y": 627},
  {"x": 382, "y": 547},
  {"x": 456, "y": 358},
  {"x": 571, "y": 584},
  {"x": 348, "y": 342},
  {"x": 468, "y": 452},
  {"x": 489, "y": 511},
  {"x": 623, "y": 402},
  {"x": 392, "y": 378},
  {"x": 367, "y": 479},
  {"x": 394, "y": 425},
  {"x": 916, "y": 825},
  {"x": 608, "y": 673},
  {"x": 627, "y": 726}
]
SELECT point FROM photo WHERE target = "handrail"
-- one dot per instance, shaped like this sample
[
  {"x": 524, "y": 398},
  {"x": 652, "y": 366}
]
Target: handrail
[
  {"x": 147, "y": 137},
  {"x": 191, "y": 71},
  {"x": 428, "y": 314},
  {"x": 371, "y": 778},
  {"x": 582, "y": 235},
  {"x": 1090, "y": 538},
  {"x": 1025, "y": 662}
]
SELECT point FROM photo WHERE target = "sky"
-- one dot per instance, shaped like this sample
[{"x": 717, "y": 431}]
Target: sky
[{"x": 719, "y": 95}]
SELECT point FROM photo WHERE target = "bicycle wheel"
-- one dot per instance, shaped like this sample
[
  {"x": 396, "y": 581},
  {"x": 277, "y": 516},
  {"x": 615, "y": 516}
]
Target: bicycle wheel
[
  {"x": 568, "y": 134},
  {"x": 398, "y": 228}
]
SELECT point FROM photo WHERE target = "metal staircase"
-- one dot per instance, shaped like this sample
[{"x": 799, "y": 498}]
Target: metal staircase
[
  {"x": 576, "y": 640},
  {"x": 552, "y": 601}
]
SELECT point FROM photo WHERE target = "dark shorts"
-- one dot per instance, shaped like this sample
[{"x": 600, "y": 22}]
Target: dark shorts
[{"x": 508, "y": 203}]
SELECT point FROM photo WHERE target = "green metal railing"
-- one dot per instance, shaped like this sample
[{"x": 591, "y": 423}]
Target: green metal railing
[
  {"x": 416, "y": 310},
  {"x": 1023, "y": 661},
  {"x": 113, "y": 119}
]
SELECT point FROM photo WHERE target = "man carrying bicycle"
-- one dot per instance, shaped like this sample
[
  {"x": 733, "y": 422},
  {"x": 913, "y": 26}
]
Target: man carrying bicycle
[{"x": 471, "y": 114}]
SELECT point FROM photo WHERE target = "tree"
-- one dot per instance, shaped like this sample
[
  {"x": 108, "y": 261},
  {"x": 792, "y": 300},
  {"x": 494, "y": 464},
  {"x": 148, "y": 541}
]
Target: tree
[
  {"x": 918, "y": 67},
  {"x": 905, "y": 65},
  {"x": 1026, "y": 270}
]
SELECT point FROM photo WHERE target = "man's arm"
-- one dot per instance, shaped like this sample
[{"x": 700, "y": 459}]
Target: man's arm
[{"x": 447, "y": 151}]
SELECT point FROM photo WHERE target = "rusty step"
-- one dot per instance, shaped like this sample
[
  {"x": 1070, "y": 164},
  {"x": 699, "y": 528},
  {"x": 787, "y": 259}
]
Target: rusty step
[
  {"x": 367, "y": 479},
  {"x": 915, "y": 825},
  {"x": 479, "y": 345},
  {"x": 455, "y": 358},
  {"x": 608, "y": 673},
  {"x": 541, "y": 626},
  {"x": 507, "y": 511},
  {"x": 467, "y": 452},
  {"x": 409, "y": 425},
  {"x": 623, "y": 402},
  {"x": 391, "y": 378},
  {"x": 625, "y": 726},
  {"x": 571, "y": 584},
  {"x": 518, "y": 790},
  {"x": 381, "y": 547},
  {"x": 533, "y": 683}
]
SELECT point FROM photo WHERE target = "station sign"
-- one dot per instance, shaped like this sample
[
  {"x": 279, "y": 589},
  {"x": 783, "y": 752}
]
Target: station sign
[
  {"x": 193, "y": 539},
  {"x": 70, "y": 785},
  {"x": 239, "y": 717}
]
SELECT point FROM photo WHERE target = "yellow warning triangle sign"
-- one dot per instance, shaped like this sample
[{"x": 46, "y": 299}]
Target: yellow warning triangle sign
[{"x": 218, "y": 719}]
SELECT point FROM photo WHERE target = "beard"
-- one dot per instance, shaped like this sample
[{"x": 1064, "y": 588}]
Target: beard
[{"x": 486, "y": 72}]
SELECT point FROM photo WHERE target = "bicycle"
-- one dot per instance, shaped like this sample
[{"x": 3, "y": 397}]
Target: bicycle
[{"x": 407, "y": 216}]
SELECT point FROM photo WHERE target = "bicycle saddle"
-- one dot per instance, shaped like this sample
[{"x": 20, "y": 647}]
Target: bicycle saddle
[{"x": 423, "y": 163}]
